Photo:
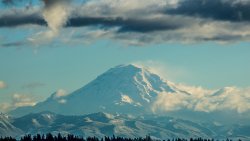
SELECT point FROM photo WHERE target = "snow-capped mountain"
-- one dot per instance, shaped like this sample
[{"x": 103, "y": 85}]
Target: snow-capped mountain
[
  {"x": 128, "y": 93},
  {"x": 127, "y": 89}
]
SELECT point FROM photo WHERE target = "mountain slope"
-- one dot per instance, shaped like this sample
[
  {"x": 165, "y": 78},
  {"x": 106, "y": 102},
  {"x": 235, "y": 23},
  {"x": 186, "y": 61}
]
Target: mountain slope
[
  {"x": 124, "y": 89},
  {"x": 6, "y": 127}
]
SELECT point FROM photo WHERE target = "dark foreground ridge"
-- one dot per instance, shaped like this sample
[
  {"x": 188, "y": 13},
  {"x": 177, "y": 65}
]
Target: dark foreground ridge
[{"x": 70, "y": 137}]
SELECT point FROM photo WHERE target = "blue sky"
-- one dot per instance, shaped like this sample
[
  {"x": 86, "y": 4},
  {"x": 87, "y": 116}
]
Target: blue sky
[{"x": 207, "y": 56}]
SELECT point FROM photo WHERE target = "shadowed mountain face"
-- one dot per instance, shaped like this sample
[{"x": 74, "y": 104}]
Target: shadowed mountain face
[
  {"x": 104, "y": 124},
  {"x": 126, "y": 89}
]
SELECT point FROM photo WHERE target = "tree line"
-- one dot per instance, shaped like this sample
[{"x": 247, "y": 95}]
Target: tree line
[{"x": 70, "y": 137}]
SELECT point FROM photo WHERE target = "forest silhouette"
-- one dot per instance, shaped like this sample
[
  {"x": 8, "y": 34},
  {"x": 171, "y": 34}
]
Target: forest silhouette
[{"x": 70, "y": 137}]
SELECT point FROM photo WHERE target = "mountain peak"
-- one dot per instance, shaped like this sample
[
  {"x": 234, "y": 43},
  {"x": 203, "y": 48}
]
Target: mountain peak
[
  {"x": 129, "y": 69},
  {"x": 131, "y": 66}
]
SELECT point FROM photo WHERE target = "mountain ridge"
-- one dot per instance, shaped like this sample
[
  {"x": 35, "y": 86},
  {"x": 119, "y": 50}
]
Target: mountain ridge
[{"x": 105, "y": 124}]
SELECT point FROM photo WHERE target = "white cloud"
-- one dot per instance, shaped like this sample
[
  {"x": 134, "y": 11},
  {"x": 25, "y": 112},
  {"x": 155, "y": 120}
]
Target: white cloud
[
  {"x": 59, "y": 96},
  {"x": 228, "y": 98},
  {"x": 55, "y": 13},
  {"x": 236, "y": 99},
  {"x": 20, "y": 100},
  {"x": 60, "y": 93},
  {"x": 206, "y": 105},
  {"x": 2, "y": 85},
  {"x": 162, "y": 69},
  {"x": 170, "y": 102},
  {"x": 198, "y": 91}
]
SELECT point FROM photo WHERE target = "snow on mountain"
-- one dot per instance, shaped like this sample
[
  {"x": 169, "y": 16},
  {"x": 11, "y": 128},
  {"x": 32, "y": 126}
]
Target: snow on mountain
[
  {"x": 104, "y": 124},
  {"x": 123, "y": 89},
  {"x": 6, "y": 127}
]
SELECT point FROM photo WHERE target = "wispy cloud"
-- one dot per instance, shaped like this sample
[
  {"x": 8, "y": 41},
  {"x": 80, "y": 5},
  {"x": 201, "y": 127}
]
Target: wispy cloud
[
  {"x": 33, "y": 85},
  {"x": 20, "y": 100},
  {"x": 17, "y": 100},
  {"x": 2, "y": 84},
  {"x": 163, "y": 69}
]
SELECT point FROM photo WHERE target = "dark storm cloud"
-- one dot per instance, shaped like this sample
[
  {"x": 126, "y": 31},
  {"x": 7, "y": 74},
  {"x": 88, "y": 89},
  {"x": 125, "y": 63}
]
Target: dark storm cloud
[
  {"x": 227, "y": 10},
  {"x": 124, "y": 25},
  {"x": 33, "y": 85},
  {"x": 17, "y": 19}
]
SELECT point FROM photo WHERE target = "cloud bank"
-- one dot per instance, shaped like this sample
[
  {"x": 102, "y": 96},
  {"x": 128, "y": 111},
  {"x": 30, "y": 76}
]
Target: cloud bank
[
  {"x": 228, "y": 98},
  {"x": 138, "y": 23}
]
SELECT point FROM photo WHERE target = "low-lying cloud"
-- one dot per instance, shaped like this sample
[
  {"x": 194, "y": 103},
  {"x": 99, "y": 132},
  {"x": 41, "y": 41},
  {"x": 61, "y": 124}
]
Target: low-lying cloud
[
  {"x": 228, "y": 98},
  {"x": 20, "y": 100},
  {"x": 17, "y": 100}
]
